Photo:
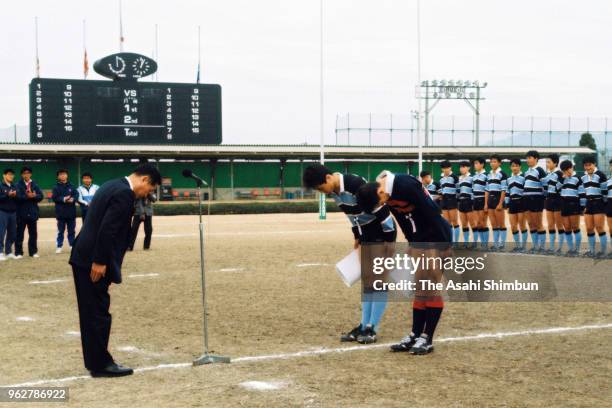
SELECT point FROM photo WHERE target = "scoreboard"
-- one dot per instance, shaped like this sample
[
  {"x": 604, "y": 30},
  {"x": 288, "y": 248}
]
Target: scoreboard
[{"x": 70, "y": 111}]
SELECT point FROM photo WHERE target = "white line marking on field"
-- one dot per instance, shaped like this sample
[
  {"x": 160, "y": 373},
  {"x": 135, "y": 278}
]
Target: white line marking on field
[
  {"x": 263, "y": 385},
  {"x": 306, "y": 265},
  {"x": 73, "y": 333},
  {"x": 47, "y": 282},
  {"x": 24, "y": 319},
  {"x": 143, "y": 275},
  {"x": 321, "y": 351},
  {"x": 231, "y": 270}
]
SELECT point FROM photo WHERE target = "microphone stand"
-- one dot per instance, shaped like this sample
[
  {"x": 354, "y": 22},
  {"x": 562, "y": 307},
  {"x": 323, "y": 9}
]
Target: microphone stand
[{"x": 205, "y": 358}]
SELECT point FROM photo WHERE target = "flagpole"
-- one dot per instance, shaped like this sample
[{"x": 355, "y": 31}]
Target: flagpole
[
  {"x": 156, "y": 51},
  {"x": 85, "y": 62},
  {"x": 120, "y": 27},
  {"x": 322, "y": 209},
  {"x": 199, "y": 54},
  {"x": 36, "y": 42},
  {"x": 419, "y": 135}
]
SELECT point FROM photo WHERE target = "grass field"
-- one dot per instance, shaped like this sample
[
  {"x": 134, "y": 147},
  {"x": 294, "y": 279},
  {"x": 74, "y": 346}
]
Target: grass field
[{"x": 277, "y": 307}]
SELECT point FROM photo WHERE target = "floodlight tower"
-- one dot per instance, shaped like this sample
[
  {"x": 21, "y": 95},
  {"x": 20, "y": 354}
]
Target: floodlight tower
[{"x": 469, "y": 91}]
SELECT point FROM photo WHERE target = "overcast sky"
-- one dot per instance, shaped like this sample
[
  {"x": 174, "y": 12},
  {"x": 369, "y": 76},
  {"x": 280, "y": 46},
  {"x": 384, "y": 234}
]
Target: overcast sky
[{"x": 544, "y": 57}]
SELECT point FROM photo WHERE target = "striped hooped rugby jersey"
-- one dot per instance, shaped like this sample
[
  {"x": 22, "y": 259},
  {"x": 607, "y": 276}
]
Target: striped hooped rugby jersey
[
  {"x": 434, "y": 189},
  {"x": 516, "y": 185},
  {"x": 571, "y": 188},
  {"x": 497, "y": 182},
  {"x": 449, "y": 185},
  {"x": 550, "y": 182},
  {"x": 534, "y": 181},
  {"x": 479, "y": 184},
  {"x": 610, "y": 189},
  {"x": 346, "y": 200},
  {"x": 595, "y": 185},
  {"x": 465, "y": 187}
]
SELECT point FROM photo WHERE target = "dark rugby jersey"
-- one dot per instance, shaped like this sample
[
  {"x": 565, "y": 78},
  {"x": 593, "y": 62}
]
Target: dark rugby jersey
[
  {"x": 465, "y": 187},
  {"x": 571, "y": 188},
  {"x": 479, "y": 184},
  {"x": 497, "y": 182},
  {"x": 534, "y": 185},
  {"x": 595, "y": 185},
  {"x": 516, "y": 184},
  {"x": 449, "y": 185},
  {"x": 365, "y": 226},
  {"x": 416, "y": 213},
  {"x": 550, "y": 182},
  {"x": 434, "y": 190}
]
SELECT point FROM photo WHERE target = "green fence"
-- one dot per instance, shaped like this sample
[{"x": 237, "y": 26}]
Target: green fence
[{"x": 237, "y": 175}]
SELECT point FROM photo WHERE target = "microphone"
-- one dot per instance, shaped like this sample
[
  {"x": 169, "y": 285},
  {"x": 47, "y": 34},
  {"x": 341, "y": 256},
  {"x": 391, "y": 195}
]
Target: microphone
[{"x": 189, "y": 174}]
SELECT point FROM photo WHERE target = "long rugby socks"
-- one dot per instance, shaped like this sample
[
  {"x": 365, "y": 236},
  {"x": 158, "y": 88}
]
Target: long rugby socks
[
  {"x": 569, "y": 238},
  {"x": 419, "y": 316},
  {"x": 552, "y": 239},
  {"x": 541, "y": 239},
  {"x": 466, "y": 235},
  {"x": 577, "y": 239},
  {"x": 516, "y": 238},
  {"x": 524, "y": 235},
  {"x": 484, "y": 237},
  {"x": 503, "y": 235},
  {"x": 366, "y": 309},
  {"x": 433, "y": 311},
  {"x": 534, "y": 239},
  {"x": 603, "y": 242},
  {"x": 456, "y": 231},
  {"x": 379, "y": 303},
  {"x": 591, "y": 238},
  {"x": 561, "y": 239},
  {"x": 495, "y": 236}
]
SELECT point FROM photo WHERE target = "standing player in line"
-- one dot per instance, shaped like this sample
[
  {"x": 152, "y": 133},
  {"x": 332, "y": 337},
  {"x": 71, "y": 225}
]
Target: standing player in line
[
  {"x": 432, "y": 186},
  {"x": 553, "y": 204},
  {"x": 609, "y": 208},
  {"x": 534, "y": 201},
  {"x": 595, "y": 185},
  {"x": 449, "y": 184},
  {"x": 465, "y": 205},
  {"x": 495, "y": 194},
  {"x": 573, "y": 201},
  {"x": 516, "y": 208},
  {"x": 479, "y": 186},
  {"x": 367, "y": 228},
  {"x": 427, "y": 233}
]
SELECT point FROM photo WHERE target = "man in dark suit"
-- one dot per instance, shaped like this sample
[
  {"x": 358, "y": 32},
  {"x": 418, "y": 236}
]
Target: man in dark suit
[{"x": 96, "y": 260}]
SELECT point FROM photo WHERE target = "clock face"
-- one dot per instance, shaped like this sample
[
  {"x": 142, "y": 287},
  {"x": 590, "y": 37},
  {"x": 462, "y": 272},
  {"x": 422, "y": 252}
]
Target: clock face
[
  {"x": 141, "y": 67},
  {"x": 125, "y": 65},
  {"x": 117, "y": 65}
]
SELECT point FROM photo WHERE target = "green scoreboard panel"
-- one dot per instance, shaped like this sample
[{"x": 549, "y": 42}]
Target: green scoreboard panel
[{"x": 70, "y": 111}]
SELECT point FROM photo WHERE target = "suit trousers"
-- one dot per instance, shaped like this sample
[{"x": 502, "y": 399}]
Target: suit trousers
[{"x": 94, "y": 318}]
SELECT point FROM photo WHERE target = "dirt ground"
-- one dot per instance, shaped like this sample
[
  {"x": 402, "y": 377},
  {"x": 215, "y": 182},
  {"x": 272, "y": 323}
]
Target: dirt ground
[{"x": 272, "y": 289}]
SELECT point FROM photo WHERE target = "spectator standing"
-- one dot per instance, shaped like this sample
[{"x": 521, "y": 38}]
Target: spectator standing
[
  {"x": 29, "y": 195},
  {"x": 65, "y": 197},
  {"x": 143, "y": 212},
  {"x": 8, "y": 209},
  {"x": 86, "y": 193}
]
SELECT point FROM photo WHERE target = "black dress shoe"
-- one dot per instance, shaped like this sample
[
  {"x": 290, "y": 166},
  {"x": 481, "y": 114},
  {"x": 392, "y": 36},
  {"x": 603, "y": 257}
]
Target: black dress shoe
[{"x": 112, "y": 370}]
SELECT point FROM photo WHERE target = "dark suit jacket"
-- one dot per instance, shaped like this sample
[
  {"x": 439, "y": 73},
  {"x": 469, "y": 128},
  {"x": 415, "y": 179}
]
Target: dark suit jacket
[{"x": 105, "y": 235}]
